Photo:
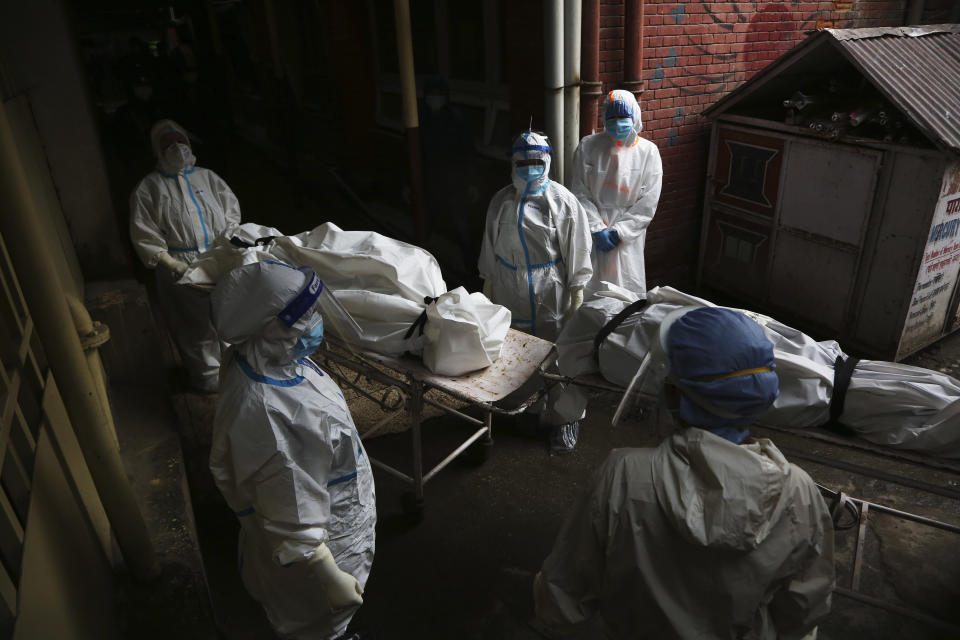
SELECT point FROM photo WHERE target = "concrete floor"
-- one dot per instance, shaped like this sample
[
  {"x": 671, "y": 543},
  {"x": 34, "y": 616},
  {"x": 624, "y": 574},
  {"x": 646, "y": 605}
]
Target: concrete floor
[{"x": 465, "y": 571}]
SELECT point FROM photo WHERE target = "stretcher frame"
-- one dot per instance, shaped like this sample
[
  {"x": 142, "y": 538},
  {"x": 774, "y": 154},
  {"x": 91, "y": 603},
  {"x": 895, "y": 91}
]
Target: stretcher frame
[{"x": 508, "y": 387}]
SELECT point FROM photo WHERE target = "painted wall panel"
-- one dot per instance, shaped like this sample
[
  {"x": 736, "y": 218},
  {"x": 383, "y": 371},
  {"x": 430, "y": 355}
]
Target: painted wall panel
[
  {"x": 812, "y": 280},
  {"x": 903, "y": 227},
  {"x": 828, "y": 190},
  {"x": 66, "y": 591}
]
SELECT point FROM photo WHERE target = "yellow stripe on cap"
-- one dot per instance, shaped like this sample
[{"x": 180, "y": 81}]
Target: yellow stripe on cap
[{"x": 735, "y": 374}]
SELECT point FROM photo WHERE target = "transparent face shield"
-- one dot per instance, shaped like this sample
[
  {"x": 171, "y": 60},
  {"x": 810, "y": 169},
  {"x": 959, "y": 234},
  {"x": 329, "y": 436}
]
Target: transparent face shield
[
  {"x": 337, "y": 321},
  {"x": 647, "y": 383}
]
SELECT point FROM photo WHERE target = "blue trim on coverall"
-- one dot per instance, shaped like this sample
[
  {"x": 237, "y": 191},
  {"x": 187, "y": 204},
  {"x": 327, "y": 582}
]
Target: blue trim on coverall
[
  {"x": 206, "y": 238},
  {"x": 259, "y": 377}
]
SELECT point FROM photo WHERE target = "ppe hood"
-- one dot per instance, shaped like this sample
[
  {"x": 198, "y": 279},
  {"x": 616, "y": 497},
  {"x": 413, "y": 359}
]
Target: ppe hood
[
  {"x": 631, "y": 104},
  {"x": 718, "y": 494},
  {"x": 530, "y": 146}
]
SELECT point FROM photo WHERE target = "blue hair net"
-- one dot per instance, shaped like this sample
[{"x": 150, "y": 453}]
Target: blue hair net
[
  {"x": 723, "y": 365},
  {"x": 618, "y": 109}
]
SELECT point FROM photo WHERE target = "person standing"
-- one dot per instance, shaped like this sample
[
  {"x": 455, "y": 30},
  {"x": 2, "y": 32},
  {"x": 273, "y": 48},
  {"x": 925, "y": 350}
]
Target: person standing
[
  {"x": 535, "y": 260},
  {"x": 287, "y": 457},
  {"x": 176, "y": 212},
  {"x": 712, "y": 534},
  {"x": 617, "y": 177}
]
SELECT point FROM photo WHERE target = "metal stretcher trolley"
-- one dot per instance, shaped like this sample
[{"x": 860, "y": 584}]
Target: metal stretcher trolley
[{"x": 400, "y": 384}]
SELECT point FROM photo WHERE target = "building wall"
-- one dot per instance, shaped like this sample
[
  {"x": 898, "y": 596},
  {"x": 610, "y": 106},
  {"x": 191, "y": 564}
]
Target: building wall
[
  {"x": 41, "y": 60},
  {"x": 694, "y": 54}
]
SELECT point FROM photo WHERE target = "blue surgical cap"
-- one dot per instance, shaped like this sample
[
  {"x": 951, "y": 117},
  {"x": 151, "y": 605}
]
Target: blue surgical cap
[
  {"x": 617, "y": 109},
  {"x": 723, "y": 365}
]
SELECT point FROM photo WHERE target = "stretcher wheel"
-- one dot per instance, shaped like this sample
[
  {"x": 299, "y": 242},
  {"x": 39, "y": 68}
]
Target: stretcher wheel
[
  {"x": 477, "y": 453},
  {"x": 411, "y": 504}
]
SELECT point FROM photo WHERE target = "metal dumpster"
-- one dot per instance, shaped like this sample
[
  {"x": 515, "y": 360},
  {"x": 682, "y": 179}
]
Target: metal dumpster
[{"x": 833, "y": 188}]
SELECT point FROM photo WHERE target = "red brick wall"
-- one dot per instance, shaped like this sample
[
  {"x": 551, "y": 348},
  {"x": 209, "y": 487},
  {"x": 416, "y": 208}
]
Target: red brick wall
[{"x": 694, "y": 54}]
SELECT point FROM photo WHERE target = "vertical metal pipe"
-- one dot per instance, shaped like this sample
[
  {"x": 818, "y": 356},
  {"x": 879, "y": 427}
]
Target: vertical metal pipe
[
  {"x": 590, "y": 86},
  {"x": 553, "y": 82},
  {"x": 411, "y": 120},
  {"x": 416, "y": 417},
  {"x": 571, "y": 80},
  {"x": 633, "y": 47},
  {"x": 19, "y": 225}
]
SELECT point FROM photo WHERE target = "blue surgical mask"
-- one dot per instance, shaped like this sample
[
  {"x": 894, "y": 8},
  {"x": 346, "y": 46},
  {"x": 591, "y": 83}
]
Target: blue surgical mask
[
  {"x": 529, "y": 172},
  {"x": 619, "y": 128},
  {"x": 311, "y": 338}
]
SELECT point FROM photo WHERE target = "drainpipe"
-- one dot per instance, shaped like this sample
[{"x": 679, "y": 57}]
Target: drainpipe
[
  {"x": 411, "y": 120},
  {"x": 590, "y": 86},
  {"x": 93, "y": 335},
  {"x": 553, "y": 81},
  {"x": 55, "y": 327},
  {"x": 571, "y": 77},
  {"x": 633, "y": 47}
]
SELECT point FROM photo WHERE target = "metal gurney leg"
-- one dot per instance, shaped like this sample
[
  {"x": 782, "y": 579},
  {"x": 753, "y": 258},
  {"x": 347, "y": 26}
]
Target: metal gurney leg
[{"x": 481, "y": 389}]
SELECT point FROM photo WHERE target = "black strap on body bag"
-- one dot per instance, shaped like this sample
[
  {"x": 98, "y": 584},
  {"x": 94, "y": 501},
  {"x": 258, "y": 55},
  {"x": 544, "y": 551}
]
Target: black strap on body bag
[
  {"x": 421, "y": 321},
  {"x": 616, "y": 321},
  {"x": 842, "y": 373}
]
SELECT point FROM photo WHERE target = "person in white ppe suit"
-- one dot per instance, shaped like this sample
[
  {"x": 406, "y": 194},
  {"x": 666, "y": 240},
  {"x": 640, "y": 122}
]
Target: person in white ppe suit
[
  {"x": 712, "y": 534},
  {"x": 535, "y": 255},
  {"x": 176, "y": 212},
  {"x": 617, "y": 177},
  {"x": 287, "y": 457}
]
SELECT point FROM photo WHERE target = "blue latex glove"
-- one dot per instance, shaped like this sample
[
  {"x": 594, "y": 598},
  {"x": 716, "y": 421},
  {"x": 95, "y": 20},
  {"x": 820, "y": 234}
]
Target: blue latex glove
[{"x": 606, "y": 240}]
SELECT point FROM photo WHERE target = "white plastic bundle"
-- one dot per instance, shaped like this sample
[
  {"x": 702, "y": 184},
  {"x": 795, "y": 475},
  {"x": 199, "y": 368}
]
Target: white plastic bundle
[{"x": 386, "y": 286}]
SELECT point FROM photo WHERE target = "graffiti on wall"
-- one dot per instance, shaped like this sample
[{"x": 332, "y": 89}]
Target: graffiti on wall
[{"x": 720, "y": 68}]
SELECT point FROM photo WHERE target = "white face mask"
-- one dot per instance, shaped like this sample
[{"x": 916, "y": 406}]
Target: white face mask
[{"x": 178, "y": 156}]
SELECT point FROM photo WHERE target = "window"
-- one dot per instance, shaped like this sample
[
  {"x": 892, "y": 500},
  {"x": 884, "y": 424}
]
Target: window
[
  {"x": 748, "y": 172},
  {"x": 464, "y": 43},
  {"x": 738, "y": 245}
]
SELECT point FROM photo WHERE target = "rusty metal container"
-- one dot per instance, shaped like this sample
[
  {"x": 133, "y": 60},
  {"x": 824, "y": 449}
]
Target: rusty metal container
[{"x": 842, "y": 216}]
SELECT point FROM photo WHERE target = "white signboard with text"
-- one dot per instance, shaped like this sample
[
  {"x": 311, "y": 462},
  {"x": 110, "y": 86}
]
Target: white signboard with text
[{"x": 930, "y": 303}]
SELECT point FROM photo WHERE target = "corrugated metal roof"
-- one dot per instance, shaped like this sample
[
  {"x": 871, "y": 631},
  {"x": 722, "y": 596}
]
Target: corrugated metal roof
[{"x": 917, "y": 69}]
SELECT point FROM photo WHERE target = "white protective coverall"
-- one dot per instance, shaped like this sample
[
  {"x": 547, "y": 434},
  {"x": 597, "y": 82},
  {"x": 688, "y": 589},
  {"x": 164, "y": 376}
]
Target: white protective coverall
[
  {"x": 618, "y": 184},
  {"x": 181, "y": 211},
  {"x": 536, "y": 245},
  {"x": 286, "y": 455},
  {"x": 696, "y": 538}
]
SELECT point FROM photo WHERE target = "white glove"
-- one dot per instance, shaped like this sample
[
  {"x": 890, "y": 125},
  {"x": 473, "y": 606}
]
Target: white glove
[
  {"x": 342, "y": 589},
  {"x": 171, "y": 264},
  {"x": 576, "y": 299},
  {"x": 488, "y": 289}
]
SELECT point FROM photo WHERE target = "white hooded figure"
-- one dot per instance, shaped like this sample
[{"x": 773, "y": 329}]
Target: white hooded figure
[
  {"x": 535, "y": 255},
  {"x": 176, "y": 212},
  {"x": 712, "y": 534},
  {"x": 617, "y": 177},
  {"x": 287, "y": 457}
]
